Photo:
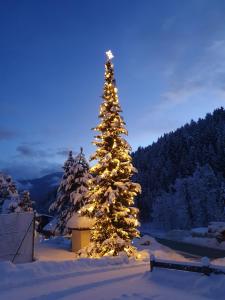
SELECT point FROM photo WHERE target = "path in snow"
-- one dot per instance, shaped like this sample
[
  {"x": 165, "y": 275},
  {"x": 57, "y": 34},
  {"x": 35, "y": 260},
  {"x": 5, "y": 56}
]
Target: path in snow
[{"x": 108, "y": 283}]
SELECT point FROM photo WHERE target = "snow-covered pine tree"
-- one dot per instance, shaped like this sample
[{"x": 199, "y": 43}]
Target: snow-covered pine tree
[
  {"x": 62, "y": 194},
  {"x": 8, "y": 192},
  {"x": 69, "y": 162},
  {"x": 22, "y": 204},
  {"x": 80, "y": 169},
  {"x": 111, "y": 191},
  {"x": 25, "y": 202},
  {"x": 70, "y": 196}
]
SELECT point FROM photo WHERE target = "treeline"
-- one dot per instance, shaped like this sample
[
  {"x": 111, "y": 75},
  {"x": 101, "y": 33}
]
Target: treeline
[{"x": 182, "y": 174}]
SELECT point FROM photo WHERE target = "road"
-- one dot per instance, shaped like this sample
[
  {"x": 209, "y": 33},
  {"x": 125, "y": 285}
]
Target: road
[{"x": 191, "y": 250}]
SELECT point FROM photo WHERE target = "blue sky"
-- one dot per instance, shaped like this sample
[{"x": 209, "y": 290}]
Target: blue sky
[{"x": 169, "y": 65}]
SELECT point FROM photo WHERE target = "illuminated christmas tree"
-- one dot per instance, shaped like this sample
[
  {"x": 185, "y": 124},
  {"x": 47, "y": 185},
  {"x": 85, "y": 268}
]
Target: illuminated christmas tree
[{"x": 111, "y": 191}]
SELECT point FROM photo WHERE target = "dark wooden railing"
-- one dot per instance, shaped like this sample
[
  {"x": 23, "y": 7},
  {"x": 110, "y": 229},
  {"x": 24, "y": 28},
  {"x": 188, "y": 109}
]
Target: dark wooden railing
[{"x": 203, "y": 267}]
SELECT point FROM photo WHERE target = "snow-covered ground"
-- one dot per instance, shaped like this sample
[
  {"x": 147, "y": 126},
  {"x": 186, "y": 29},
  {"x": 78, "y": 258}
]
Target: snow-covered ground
[
  {"x": 58, "y": 275},
  {"x": 59, "y": 249},
  {"x": 56, "y": 249}
]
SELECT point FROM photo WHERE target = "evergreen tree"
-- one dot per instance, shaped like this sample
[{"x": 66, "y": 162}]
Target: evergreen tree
[
  {"x": 21, "y": 204},
  {"x": 111, "y": 192},
  {"x": 80, "y": 169},
  {"x": 177, "y": 155},
  {"x": 69, "y": 162},
  {"x": 8, "y": 192},
  {"x": 72, "y": 189},
  {"x": 192, "y": 201},
  {"x": 25, "y": 202}
]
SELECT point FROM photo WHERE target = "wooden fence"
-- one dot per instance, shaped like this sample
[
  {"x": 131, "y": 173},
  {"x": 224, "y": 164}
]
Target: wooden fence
[{"x": 203, "y": 267}]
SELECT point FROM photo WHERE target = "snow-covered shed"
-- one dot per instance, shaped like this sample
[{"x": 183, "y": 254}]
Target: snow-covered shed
[{"x": 81, "y": 228}]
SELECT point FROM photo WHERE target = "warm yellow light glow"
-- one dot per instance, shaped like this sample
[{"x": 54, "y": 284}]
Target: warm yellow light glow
[
  {"x": 90, "y": 208},
  {"x": 138, "y": 256}
]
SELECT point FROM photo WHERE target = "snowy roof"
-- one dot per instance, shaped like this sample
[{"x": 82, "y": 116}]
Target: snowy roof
[
  {"x": 77, "y": 221},
  {"x": 51, "y": 226},
  {"x": 42, "y": 215}
]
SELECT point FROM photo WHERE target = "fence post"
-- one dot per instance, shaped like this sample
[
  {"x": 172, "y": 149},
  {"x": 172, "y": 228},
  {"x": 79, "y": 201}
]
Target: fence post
[
  {"x": 152, "y": 260},
  {"x": 34, "y": 219}
]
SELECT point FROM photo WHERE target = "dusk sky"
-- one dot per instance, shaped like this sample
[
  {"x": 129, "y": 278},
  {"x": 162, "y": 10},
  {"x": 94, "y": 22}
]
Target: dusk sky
[{"x": 169, "y": 66}]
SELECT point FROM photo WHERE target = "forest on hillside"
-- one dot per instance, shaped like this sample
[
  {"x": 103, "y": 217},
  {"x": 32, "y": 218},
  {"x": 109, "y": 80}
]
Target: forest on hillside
[{"x": 183, "y": 175}]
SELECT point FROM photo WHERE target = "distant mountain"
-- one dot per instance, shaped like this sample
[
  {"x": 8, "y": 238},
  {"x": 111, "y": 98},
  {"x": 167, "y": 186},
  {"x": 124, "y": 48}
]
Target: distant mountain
[
  {"x": 184, "y": 170},
  {"x": 42, "y": 190}
]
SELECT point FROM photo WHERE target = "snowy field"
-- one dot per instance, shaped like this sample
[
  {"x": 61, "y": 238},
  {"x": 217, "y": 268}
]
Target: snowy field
[{"x": 58, "y": 275}]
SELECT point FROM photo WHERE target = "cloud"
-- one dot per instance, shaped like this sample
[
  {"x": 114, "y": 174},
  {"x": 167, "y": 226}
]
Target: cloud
[
  {"x": 30, "y": 151},
  {"x": 6, "y": 134},
  {"x": 29, "y": 169},
  {"x": 62, "y": 152},
  {"x": 51, "y": 168},
  {"x": 25, "y": 151},
  {"x": 33, "y": 161},
  {"x": 204, "y": 74},
  {"x": 192, "y": 89}
]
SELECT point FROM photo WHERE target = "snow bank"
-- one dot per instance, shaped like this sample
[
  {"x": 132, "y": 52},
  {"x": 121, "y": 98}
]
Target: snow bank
[
  {"x": 157, "y": 249},
  {"x": 14, "y": 275},
  {"x": 199, "y": 232},
  {"x": 219, "y": 261},
  {"x": 215, "y": 227}
]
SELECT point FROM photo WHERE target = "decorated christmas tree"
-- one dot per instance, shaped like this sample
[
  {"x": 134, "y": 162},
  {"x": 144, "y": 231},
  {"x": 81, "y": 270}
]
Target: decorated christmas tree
[
  {"x": 73, "y": 186},
  {"x": 111, "y": 191}
]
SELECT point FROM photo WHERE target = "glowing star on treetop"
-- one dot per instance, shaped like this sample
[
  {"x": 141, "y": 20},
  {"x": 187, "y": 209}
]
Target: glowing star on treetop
[{"x": 109, "y": 55}]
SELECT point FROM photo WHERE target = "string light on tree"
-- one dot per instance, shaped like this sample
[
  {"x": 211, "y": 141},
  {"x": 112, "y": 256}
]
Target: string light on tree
[{"x": 111, "y": 191}]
